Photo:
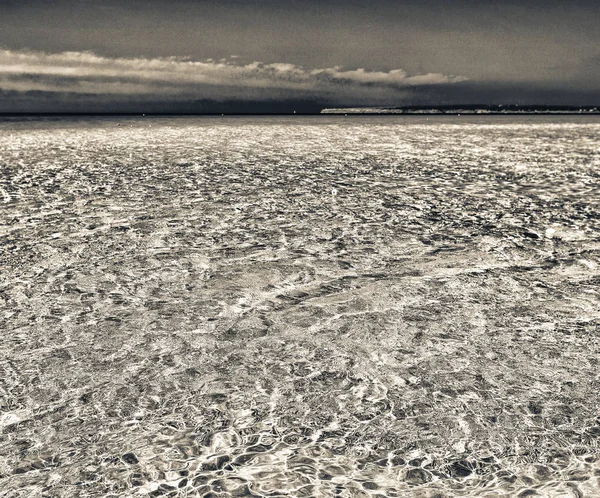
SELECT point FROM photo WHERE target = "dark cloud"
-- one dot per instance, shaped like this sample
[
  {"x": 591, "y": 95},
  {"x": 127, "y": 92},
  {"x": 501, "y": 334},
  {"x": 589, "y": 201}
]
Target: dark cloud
[{"x": 175, "y": 78}]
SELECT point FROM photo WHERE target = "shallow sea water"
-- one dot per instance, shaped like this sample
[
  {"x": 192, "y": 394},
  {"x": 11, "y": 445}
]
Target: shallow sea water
[{"x": 303, "y": 306}]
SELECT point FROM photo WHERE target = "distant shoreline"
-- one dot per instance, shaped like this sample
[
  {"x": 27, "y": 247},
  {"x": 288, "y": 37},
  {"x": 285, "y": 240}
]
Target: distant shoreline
[
  {"x": 508, "y": 110},
  {"x": 454, "y": 110}
]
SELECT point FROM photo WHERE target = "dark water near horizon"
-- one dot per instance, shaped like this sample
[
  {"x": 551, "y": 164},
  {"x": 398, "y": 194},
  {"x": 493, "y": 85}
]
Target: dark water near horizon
[{"x": 300, "y": 306}]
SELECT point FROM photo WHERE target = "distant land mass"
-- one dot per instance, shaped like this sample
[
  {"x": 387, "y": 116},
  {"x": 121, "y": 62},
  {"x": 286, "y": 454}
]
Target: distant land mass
[
  {"x": 302, "y": 108},
  {"x": 467, "y": 109}
]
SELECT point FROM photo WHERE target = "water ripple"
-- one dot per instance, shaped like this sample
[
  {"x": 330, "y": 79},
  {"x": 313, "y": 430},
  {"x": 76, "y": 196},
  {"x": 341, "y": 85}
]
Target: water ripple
[{"x": 317, "y": 307}]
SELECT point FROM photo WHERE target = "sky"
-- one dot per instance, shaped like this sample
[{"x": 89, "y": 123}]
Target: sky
[{"x": 278, "y": 56}]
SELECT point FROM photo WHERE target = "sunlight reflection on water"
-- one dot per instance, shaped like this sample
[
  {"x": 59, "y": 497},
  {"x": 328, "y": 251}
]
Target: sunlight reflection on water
[{"x": 189, "y": 310}]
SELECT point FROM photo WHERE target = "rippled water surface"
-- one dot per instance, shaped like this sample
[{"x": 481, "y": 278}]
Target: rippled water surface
[{"x": 311, "y": 307}]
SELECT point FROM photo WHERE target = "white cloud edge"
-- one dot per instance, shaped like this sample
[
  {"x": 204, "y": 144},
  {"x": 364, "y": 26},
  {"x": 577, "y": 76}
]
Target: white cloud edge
[{"x": 88, "y": 73}]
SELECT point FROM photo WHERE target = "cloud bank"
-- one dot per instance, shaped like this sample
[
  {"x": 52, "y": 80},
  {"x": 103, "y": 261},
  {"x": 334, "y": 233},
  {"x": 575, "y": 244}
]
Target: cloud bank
[{"x": 85, "y": 73}]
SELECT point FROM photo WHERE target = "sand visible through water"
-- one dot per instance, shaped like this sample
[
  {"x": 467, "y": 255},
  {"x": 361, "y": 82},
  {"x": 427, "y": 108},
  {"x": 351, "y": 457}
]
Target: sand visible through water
[{"x": 303, "y": 306}]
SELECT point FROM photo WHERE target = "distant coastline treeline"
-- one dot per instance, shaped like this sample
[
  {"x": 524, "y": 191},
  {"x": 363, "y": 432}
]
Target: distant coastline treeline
[
  {"x": 300, "y": 109},
  {"x": 467, "y": 109}
]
